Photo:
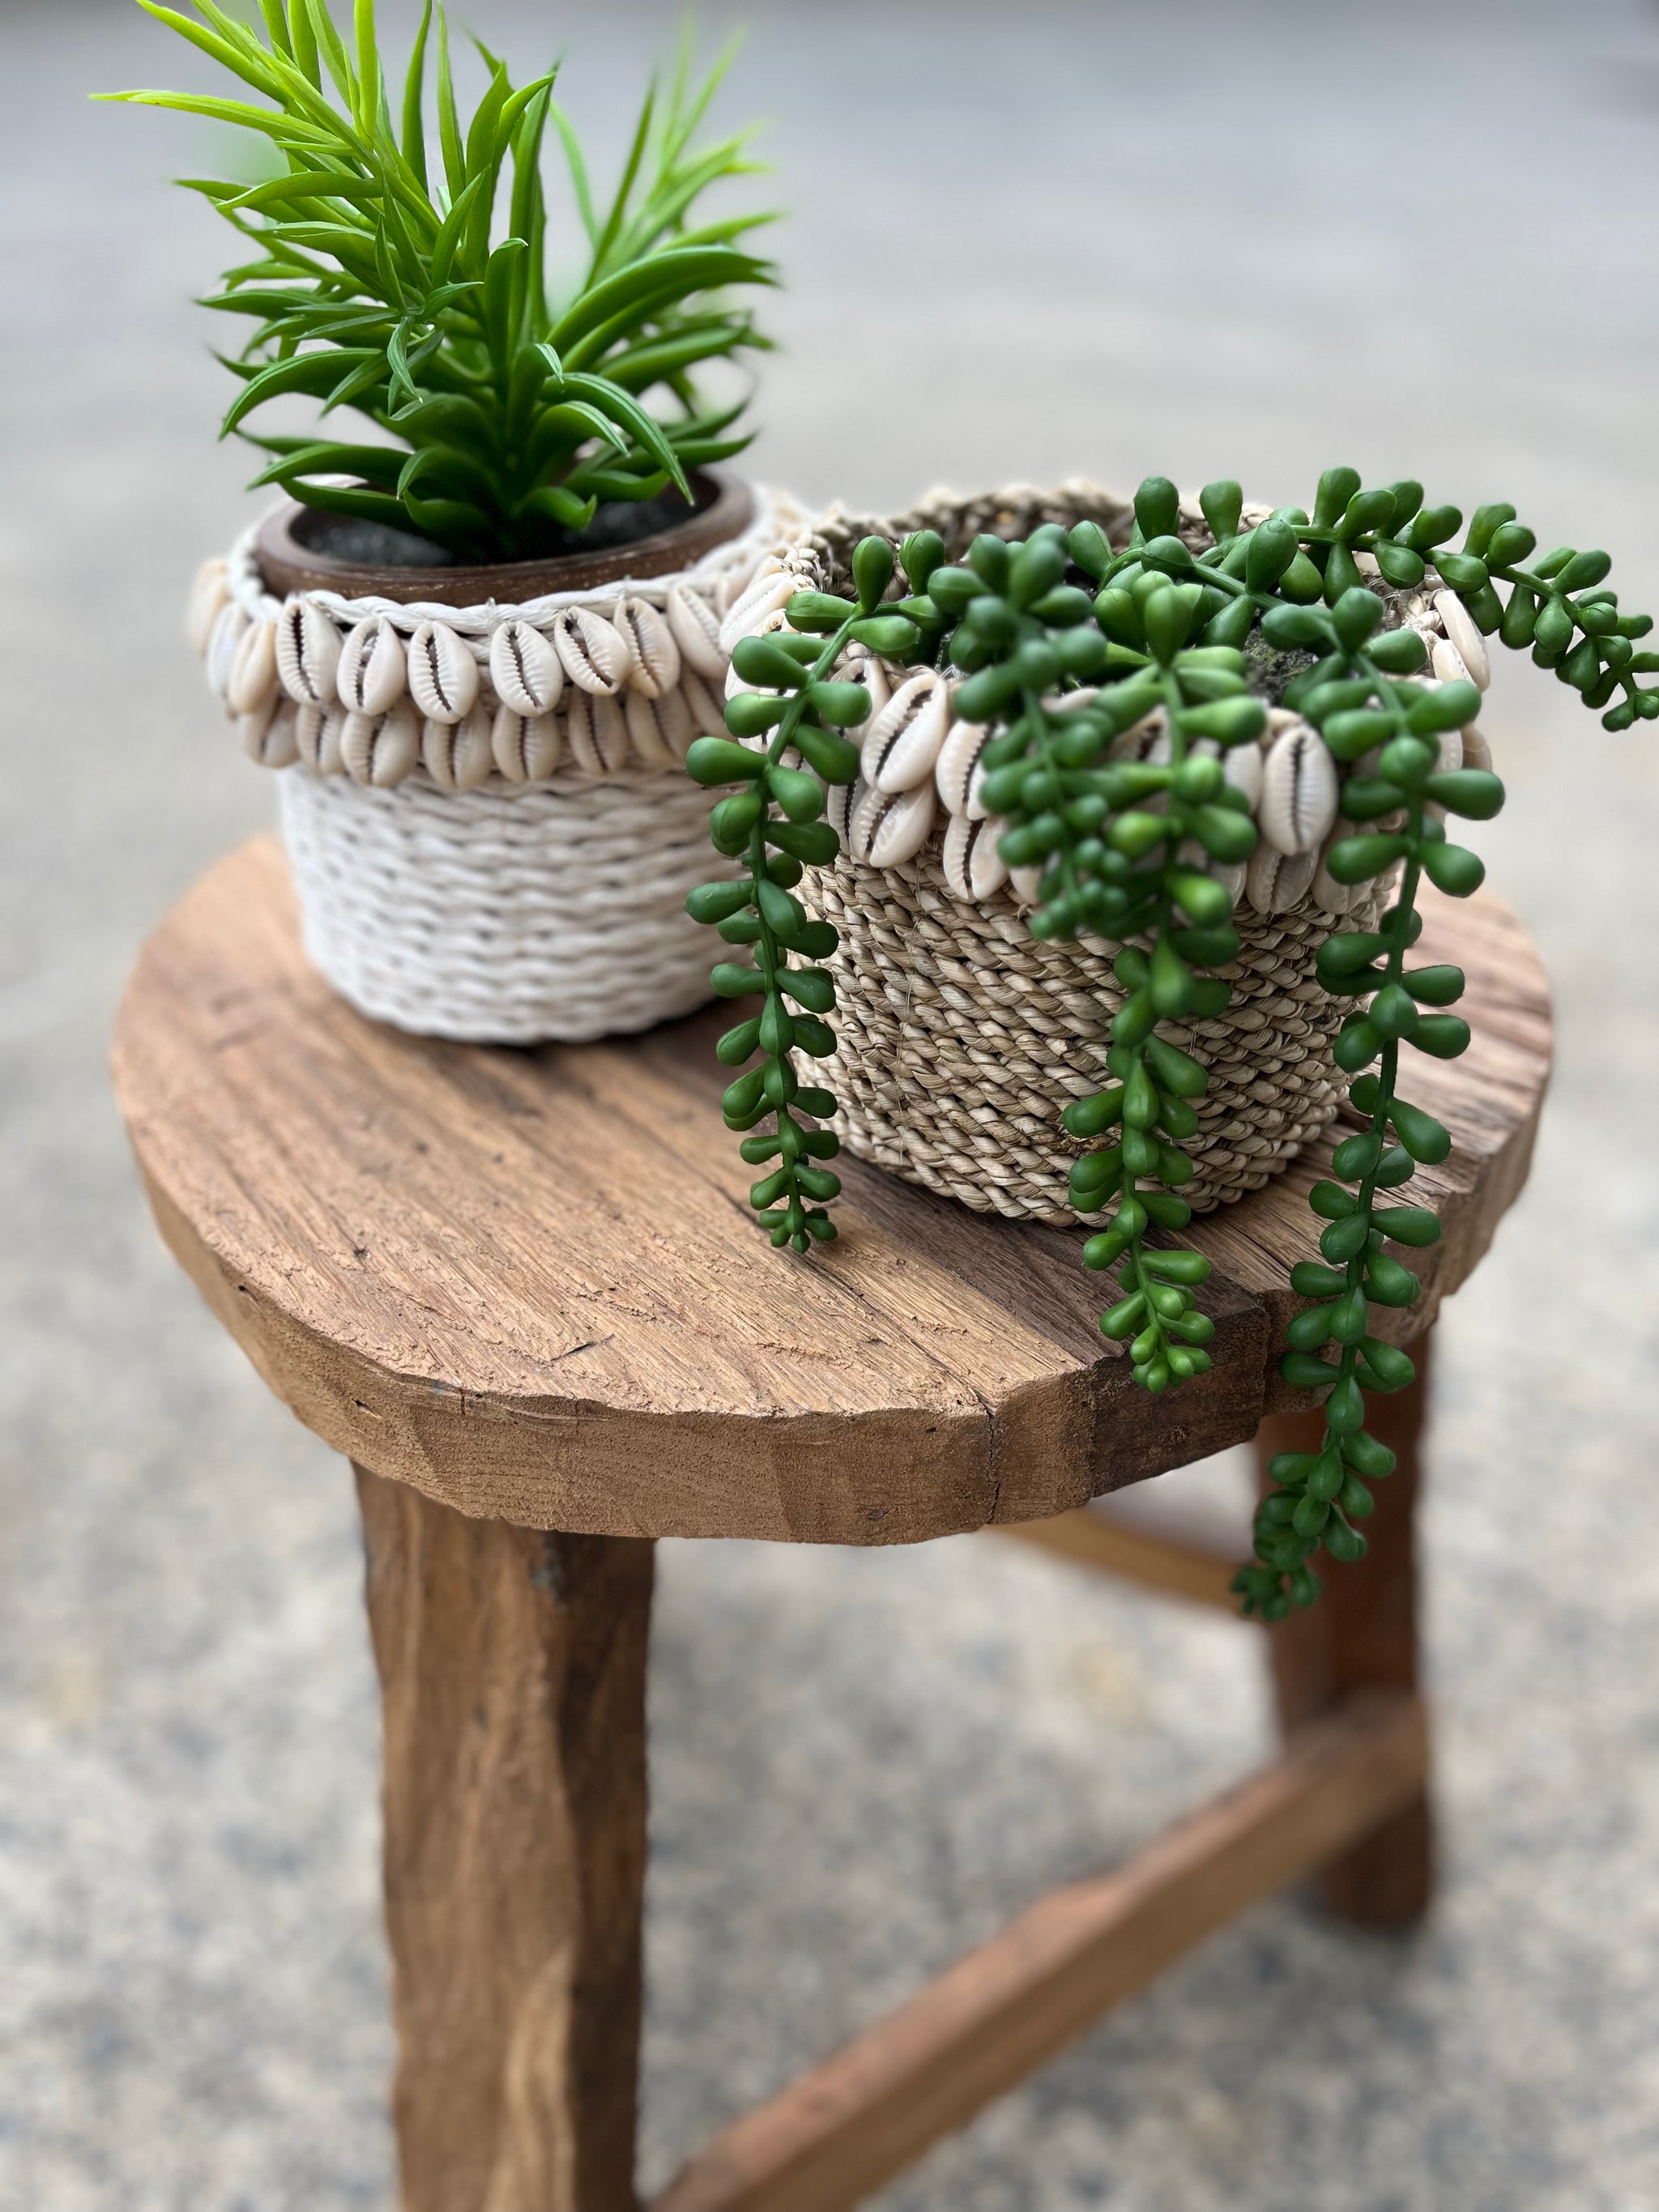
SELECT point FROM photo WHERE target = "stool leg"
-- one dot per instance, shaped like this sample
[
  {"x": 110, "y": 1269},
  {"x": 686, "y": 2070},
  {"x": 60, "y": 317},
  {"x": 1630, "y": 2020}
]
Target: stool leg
[
  {"x": 512, "y": 1670},
  {"x": 1362, "y": 1635}
]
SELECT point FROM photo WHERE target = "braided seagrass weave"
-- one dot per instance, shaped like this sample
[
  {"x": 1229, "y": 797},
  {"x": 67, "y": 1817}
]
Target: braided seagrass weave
[{"x": 962, "y": 1037}]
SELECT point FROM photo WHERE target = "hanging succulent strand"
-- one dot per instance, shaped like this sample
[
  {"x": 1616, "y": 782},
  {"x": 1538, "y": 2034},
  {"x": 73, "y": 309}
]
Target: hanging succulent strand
[
  {"x": 780, "y": 805},
  {"x": 1076, "y": 651}
]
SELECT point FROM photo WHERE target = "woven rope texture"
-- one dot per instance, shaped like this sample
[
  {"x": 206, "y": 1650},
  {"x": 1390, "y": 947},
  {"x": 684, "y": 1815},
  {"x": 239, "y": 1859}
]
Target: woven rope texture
[
  {"x": 509, "y": 915},
  {"x": 961, "y": 1038}
]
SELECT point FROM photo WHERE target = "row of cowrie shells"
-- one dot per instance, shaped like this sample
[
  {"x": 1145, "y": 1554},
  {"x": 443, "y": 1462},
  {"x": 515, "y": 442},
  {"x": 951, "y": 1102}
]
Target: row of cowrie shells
[
  {"x": 370, "y": 668},
  {"x": 592, "y": 731},
  {"x": 655, "y": 673}
]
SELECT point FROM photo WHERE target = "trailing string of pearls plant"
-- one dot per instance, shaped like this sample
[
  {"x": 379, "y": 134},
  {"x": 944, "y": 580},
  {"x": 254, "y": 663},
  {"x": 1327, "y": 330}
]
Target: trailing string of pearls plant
[{"x": 1060, "y": 645}]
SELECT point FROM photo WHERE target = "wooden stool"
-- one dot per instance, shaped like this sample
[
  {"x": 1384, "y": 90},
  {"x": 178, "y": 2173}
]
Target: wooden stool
[{"x": 524, "y": 1293}]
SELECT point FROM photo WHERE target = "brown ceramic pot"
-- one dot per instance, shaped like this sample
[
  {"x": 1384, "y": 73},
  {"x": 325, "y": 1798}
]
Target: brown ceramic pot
[{"x": 725, "y": 506}]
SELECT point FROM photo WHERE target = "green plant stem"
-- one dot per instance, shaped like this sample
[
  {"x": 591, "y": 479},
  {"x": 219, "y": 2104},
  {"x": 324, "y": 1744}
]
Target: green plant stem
[
  {"x": 1155, "y": 1358},
  {"x": 772, "y": 959}
]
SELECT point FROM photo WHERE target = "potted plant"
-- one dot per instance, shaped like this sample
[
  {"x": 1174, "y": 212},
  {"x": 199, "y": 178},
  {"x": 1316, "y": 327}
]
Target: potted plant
[
  {"x": 482, "y": 632},
  {"x": 1127, "y": 808}
]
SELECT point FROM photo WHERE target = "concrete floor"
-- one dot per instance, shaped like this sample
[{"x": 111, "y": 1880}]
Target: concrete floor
[{"x": 1027, "y": 242}]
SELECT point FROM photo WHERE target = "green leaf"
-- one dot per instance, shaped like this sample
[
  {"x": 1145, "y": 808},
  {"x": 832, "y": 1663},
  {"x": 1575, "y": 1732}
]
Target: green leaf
[
  {"x": 452, "y": 231},
  {"x": 673, "y": 273},
  {"x": 310, "y": 185},
  {"x": 331, "y": 47},
  {"x": 243, "y": 61},
  {"x": 314, "y": 374},
  {"x": 348, "y": 498},
  {"x": 631, "y": 170},
  {"x": 414, "y": 89},
  {"x": 449, "y": 126},
  {"x": 621, "y": 407},
  {"x": 563, "y": 505},
  {"x": 381, "y": 465}
]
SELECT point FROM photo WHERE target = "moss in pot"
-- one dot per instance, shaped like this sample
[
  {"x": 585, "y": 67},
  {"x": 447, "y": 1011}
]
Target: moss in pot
[{"x": 544, "y": 463}]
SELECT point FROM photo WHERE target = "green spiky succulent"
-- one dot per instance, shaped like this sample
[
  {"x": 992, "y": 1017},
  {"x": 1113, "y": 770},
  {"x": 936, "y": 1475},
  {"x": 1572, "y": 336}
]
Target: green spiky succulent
[
  {"x": 377, "y": 283},
  {"x": 1130, "y": 850}
]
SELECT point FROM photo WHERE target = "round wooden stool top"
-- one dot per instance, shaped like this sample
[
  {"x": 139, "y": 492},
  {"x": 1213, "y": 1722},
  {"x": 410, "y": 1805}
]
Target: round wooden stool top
[{"x": 529, "y": 1283}]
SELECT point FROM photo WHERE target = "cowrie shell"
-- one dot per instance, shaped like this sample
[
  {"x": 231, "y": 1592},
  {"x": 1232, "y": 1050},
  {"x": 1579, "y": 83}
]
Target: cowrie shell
[
  {"x": 973, "y": 867},
  {"x": 528, "y": 674},
  {"x": 1148, "y": 739},
  {"x": 658, "y": 729},
  {"x": 1477, "y": 753},
  {"x": 1230, "y": 875},
  {"x": 380, "y": 748},
  {"x": 651, "y": 643},
  {"x": 1274, "y": 882},
  {"x": 267, "y": 734},
  {"x": 597, "y": 733},
  {"x": 526, "y": 748},
  {"x": 443, "y": 676},
  {"x": 1447, "y": 663},
  {"x": 595, "y": 656},
  {"x": 770, "y": 588},
  {"x": 1464, "y": 632},
  {"x": 308, "y": 652},
  {"x": 902, "y": 742},
  {"x": 696, "y": 629},
  {"x": 958, "y": 773},
  {"x": 707, "y": 716},
  {"x": 859, "y": 666},
  {"x": 1451, "y": 750},
  {"x": 886, "y": 829},
  {"x": 374, "y": 669},
  {"x": 839, "y": 800},
  {"x": 1027, "y": 883},
  {"x": 776, "y": 624},
  {"x": 1324, "y": 890},
  {"x": 457, "y": 756},
  {"x": 730, "y": 585},
  {"x": 1243, "y": 768},
  {"x": 317, "y": 732},
  {"x": 1298, "y": 791},
  {"x": 230, "y": 625},
  {"x": 250, "y": 684},
  {"x": 208, "y": 595}
]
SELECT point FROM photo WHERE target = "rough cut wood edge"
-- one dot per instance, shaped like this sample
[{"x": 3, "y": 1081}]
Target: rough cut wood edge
[
  {"x": 455, "y": 1264},
  {"x": 840, "y": 2132},
  {"x": 1157, "y": 1558},
  {"x": 513, "y": 1669}
]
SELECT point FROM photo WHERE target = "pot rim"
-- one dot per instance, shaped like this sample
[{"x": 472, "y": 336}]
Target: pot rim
[{"x": 726, "y": 509}]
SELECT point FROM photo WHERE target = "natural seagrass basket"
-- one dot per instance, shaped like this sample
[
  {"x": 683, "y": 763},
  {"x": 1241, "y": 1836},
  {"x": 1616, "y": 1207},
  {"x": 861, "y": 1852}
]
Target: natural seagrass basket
[
  {"x": 961, "y": 1038},
  {"x": 466, "y": 868}
]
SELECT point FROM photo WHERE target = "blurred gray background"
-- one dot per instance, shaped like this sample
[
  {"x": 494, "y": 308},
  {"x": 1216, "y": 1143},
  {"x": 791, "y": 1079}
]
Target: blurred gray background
[{"x": 1026, "y": 241}]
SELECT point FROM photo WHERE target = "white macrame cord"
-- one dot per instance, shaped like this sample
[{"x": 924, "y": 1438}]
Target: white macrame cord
[{"x": 499, "y": 869}]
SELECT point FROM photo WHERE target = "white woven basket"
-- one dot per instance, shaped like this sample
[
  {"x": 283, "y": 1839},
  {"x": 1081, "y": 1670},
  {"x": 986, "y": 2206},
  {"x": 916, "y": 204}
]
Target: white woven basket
[
  {"x": 514, "y": 913},
  {"x": 509, "y": 911}
]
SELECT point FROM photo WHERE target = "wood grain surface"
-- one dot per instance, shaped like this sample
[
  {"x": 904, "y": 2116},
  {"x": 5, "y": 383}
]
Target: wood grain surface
[
  {"x": 512, "y": 1668},
  {"x": 1170, "y": 1558},
  {"x": 528, "y": 1283}
]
